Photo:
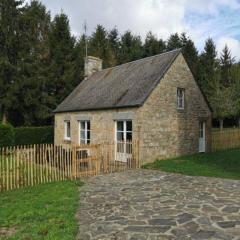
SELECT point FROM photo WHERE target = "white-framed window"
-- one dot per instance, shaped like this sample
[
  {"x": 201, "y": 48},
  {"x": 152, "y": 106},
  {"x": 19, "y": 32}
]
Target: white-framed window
[
  {"x": 124, "y": 131},
  {"x": 123, "y": 136},
  {"x": 84, "y": 132},
  {"x": 67, "y": 130},
  {"x": 180, "y": 98}
]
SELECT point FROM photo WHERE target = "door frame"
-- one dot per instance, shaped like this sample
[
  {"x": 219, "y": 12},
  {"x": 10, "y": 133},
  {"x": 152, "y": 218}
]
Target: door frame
[{"x": 202, "y": 145}]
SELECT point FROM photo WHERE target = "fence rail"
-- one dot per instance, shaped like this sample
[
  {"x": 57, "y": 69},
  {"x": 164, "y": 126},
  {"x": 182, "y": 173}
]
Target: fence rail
[
  {"x": 24, "y": 166},
  {"x": 226, "y": 139}
]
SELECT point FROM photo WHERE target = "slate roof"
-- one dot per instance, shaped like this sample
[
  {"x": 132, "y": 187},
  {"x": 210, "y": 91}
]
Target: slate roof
[{"x": 126, "y": 85}]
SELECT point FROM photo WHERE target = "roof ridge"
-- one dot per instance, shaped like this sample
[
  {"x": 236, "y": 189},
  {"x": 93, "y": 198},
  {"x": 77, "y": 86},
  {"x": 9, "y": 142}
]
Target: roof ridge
[{"x": 141, "y": 59}]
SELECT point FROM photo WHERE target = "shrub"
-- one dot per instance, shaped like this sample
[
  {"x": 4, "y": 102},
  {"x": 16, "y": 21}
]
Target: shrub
[
  {"x": 6, "y": 135},
  {"x": 34, "y": 135}
]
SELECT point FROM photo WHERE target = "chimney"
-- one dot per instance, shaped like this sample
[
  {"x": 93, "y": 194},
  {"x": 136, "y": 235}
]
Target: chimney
[{"x": 92, "y": 65}]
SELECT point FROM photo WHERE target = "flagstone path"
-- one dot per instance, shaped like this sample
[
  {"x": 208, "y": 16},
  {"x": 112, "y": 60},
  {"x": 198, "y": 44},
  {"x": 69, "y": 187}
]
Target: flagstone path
[{"x": 152, "y": 205}]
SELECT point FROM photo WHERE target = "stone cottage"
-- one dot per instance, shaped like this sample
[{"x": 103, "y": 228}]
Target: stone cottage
[{"x": 155, "y": 100}]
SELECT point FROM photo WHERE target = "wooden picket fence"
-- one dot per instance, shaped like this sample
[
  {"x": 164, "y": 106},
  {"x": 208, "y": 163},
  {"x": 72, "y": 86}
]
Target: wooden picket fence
[
  {"x": 226, "y": 139},
  {"x": 24, "y": 166}
]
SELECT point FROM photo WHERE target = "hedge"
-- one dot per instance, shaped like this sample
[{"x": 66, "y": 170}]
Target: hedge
[
  {"x": 6, "y": 135},
  {"x": 34, "y": 135}
]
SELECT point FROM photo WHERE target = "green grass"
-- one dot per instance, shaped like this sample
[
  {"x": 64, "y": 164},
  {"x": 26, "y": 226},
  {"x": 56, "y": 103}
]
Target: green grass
[
  {"x": 224, "y": 164},
  {"x": 43, "y": 212}
]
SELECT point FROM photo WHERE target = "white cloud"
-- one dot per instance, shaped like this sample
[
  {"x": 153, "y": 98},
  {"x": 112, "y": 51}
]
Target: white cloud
[
  {"x": 233, "y": 45},
  {"x": 211, "y": 6},
  {"x": 199, "y": 18}
]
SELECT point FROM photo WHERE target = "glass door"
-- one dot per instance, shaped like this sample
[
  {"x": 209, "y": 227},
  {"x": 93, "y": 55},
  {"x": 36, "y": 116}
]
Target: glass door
[{"x": 123, "y": 140}]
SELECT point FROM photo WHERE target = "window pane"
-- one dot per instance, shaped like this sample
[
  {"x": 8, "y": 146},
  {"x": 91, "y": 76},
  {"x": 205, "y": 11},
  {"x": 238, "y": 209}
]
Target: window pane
[
  {"x": 129, "y": 136},
  {"x": 68, "y": 129},
  {"x": 82, "y": 141},
  {"x": 180, "y": 93},
  {"x": 119, "y": 125},
  {"x": 129, "y": 126},
  {"x": 129, "y": 148},
  {"x": 68, "y": 132},
  {"x": 88, "y": 125},
  {"x": 82, "y": 125},
  {"x": 201, "y": 130},
  {"x": 82, "y": 134},
  {"x": 120, "y": 147},
  {"x": 120, "y": 136},
  {"x": 180, "y": 98},
  {"x": 180, "y": 103},
  {"x": 88, "y": 134}
]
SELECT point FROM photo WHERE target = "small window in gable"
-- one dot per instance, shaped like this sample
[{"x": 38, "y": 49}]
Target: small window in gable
[
  {"x": 180, "y": 98},
  {"x": 67, "y": 130}
]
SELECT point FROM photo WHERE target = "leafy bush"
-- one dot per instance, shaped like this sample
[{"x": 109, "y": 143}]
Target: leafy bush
[
  {"x": 34, "y": 135},
  {"x": 6, "y": 135}
]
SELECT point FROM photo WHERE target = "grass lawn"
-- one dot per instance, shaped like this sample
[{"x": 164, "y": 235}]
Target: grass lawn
[
  {"x": 224, "y": 164},
  {"x": 42, "y": 212}
]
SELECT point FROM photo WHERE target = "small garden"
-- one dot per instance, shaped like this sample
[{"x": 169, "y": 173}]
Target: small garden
[
  {"x": 223, "y": 164},
  {"x": 41, "y": 212}
]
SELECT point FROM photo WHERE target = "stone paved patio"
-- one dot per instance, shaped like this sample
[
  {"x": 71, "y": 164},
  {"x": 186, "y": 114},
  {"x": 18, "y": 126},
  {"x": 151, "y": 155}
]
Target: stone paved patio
[{"x": 151, "y": 205}]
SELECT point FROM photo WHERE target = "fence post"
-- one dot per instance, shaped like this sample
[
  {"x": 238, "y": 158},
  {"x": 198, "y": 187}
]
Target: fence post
[{"x": 73, "y": 162}]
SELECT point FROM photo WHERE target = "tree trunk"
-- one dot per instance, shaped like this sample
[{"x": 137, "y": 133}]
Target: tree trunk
[
  {"x": 221, "y": 124},
  {"x": 4, "y": 118}
]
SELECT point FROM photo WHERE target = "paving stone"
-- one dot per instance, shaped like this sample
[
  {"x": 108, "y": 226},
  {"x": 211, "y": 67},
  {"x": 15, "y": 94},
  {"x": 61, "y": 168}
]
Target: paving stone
[
  {"x": 139, "y": 237},
  {"x": 204, "y": 221},
  {"x": 227, "y": 224},
  {"x": 147, "y": 229},
  {"x": 152, "y": 205},
  {"x": 230, "y": 209},
  {"x": 184, "y": 217},
  {"x": 169, "y": 222},
  {"x": 203, "y": 235}
]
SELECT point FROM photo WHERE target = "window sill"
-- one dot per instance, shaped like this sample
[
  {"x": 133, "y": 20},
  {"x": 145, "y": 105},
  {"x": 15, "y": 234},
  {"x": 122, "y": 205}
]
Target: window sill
[
  {"x": 181, "y": 109},
  {"x": 67, "y": 140}
]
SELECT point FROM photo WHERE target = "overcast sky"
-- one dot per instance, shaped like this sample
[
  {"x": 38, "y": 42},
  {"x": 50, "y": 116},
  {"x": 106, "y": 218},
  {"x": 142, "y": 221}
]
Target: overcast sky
[{"x": 200, "y": 19}]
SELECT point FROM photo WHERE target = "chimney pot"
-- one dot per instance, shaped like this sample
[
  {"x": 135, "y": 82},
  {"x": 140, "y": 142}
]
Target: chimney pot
[{"x": 92, "y": 65}]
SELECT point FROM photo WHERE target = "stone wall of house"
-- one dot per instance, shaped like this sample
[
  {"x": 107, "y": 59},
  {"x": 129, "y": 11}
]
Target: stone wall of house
[
  {"x": 102, "y": 124},
  {"x": 162, "y": 129},
  {"x": 165, "y": 130}
]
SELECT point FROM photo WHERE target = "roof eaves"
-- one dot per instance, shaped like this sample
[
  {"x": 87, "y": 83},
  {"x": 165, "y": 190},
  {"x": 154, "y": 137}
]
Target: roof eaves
[{"x": 97, "y": 109}]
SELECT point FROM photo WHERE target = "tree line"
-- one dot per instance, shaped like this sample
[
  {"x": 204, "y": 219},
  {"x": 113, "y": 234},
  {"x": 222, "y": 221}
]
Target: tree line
[{"x": 41, "y": 62}]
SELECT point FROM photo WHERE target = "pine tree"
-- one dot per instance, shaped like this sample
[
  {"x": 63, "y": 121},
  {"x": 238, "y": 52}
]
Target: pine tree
[
  {"x": 79, "y": 54},
  {"x": 99, "y": 46},
  {"x": 32, "y": 106},
  {"x": 174, "y": 42},
  {"x": 130, "y": 48},
  {"x": 208, "y": 68},
  {"x": 190, "y": 53},
  {"x": 226, "y": 62},
  {"x": 153, "y": 46},
  {"x": 61, "y": 68},
  {"x": 113, "y": 38},
  {"x": 10, "y": 46}
]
